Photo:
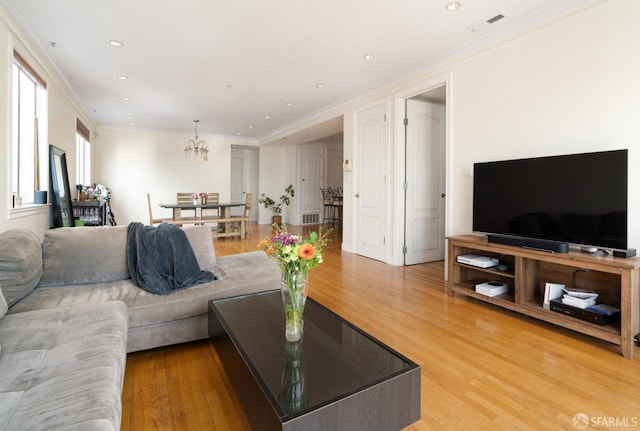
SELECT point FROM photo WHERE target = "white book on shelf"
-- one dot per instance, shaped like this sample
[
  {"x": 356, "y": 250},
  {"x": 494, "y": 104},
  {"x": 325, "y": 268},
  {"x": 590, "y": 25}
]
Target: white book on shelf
[
  {"x": 577, "y": 302},
  {"x": 552, "y": 291},
  {"x": 580, "y": 293}
]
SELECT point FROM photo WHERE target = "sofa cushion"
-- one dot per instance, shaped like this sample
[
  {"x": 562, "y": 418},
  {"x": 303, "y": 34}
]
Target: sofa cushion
[
  {"x": 238, "y": 274},
  {"x": 99, "y": 254},
  {"x": 3, "y": 309},
  {"x": 20, "y": 263},
  {"x": 158, "y": 320},
  {"x": 63, "y": 368},
  {"x": 201, "y": 241},
  {"x": 3, "y": 304},
  {"x": 84, "y": 255}
]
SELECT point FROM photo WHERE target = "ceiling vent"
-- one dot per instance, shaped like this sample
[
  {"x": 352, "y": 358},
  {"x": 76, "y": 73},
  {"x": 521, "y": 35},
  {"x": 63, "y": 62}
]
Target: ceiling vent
[
  {"x": 496, "y": 18},
  {"x": 484, "y": 25}
]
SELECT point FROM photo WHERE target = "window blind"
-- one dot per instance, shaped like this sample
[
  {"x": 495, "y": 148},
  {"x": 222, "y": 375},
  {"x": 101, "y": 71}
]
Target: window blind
[
  {"x": 82, "y": 130},
  {"x": 22, "y": 63}
]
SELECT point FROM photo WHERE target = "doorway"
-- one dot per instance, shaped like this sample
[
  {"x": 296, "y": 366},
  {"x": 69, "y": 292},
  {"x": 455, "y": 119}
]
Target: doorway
[{"x": 424, "y": 184}]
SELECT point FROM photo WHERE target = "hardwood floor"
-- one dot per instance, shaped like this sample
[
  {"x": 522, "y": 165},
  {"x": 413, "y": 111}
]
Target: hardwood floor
[{"x": 483, "y": 368}]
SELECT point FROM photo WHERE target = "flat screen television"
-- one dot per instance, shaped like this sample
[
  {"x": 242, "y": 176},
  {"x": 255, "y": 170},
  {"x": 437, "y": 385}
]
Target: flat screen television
[{"x": 575, "y": 199}]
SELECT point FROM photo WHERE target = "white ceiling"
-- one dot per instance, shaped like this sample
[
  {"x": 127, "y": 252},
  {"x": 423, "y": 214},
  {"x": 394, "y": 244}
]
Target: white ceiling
[{"x": 230, "y": 64}]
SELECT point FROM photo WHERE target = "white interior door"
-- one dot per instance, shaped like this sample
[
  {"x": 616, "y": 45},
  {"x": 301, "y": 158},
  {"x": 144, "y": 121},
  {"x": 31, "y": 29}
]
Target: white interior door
[
  {"x": 311, "y": 180},
  {"x": 370, "y": 195},
  {"x": 425, "y": 178}
]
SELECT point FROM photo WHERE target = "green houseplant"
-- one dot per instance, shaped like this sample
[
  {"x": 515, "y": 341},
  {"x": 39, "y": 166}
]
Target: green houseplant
[{"x": 276, "y": 207}]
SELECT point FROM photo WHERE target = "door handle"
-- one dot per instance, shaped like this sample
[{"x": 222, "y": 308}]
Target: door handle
[
  {"x": 442, "y": 195},
  {"x": 357, "y": 195}
]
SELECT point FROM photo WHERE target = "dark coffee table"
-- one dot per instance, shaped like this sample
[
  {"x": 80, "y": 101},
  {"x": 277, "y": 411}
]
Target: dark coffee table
[{"x": 337, "y": 377}]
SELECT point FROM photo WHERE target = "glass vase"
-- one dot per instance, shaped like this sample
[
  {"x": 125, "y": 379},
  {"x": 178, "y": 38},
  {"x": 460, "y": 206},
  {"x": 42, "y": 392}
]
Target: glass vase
[{"x": 294, "y": 287}]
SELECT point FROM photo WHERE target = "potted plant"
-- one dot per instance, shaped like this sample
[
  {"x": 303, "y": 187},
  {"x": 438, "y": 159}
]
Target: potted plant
[{"x": 276, "y": 207}]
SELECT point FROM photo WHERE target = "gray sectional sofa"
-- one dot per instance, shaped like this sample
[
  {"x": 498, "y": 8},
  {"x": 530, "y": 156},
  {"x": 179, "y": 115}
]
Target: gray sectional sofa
[{"x": 69, "y": 313}]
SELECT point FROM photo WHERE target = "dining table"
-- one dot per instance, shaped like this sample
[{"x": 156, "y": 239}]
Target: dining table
[{"x": 224, "y": 220}]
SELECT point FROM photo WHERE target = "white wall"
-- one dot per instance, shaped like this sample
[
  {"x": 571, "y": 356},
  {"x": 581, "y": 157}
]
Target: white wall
[
  {"x": 131, "y": 163},
  {"x": 63, "y": 112},
  {"x": 278, "y": 169},
  {"x": 570, "y": 86}
]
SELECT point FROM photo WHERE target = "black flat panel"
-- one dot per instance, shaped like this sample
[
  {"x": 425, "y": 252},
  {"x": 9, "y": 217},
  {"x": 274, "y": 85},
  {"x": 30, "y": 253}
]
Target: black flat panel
[{"x": 576, "y": 198}]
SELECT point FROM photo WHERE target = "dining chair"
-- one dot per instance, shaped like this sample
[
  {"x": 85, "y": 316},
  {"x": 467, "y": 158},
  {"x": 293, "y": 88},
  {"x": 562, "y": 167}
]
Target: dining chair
[
  {"x": 246, "y": 215},
  {"x": 248, "y": 204},
  {"x": 155, "y": 220},
  {"x": 336, "y": 197},
  {"x": 184, "y": 198},
  {"x": 329, "y": 213},
  {"x": 212, "y": 198}
]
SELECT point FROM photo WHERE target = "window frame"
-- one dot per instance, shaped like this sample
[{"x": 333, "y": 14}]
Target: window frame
[
  {"x": 83, "y": 154},
  {"x": 36, "y": 161}
]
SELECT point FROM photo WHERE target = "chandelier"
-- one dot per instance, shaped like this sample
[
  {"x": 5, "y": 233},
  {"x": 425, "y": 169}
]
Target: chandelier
[{"x": 196, "y": 146}]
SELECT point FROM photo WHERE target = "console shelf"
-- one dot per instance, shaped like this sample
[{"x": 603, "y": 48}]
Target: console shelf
[{"x": 615, "y": 279}]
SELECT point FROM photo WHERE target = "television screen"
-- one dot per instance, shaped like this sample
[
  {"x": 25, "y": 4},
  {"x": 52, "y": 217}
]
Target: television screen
[{"x": 580, "y": 199}]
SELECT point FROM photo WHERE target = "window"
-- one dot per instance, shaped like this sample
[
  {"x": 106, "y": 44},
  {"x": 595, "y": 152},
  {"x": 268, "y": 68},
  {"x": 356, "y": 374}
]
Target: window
[
  {"x": 83, "y": 155},
  {"x": 29, "y": 101}
]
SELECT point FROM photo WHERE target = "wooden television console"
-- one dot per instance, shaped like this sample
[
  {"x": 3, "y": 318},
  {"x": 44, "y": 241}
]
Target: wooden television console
[{"x": 615, "y": 279}]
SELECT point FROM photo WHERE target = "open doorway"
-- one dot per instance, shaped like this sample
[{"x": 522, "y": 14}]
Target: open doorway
[{"x": 425, "y": 176}]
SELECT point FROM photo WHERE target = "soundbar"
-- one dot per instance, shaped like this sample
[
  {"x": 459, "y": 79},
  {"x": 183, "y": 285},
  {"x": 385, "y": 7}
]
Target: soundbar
[
  {"x": 534, "y": 244},
  {"x": 625, "y": 253}
]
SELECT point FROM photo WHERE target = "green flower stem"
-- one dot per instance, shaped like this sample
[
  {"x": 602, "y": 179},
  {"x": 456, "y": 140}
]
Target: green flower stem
[{"x": 294, "y": 296}]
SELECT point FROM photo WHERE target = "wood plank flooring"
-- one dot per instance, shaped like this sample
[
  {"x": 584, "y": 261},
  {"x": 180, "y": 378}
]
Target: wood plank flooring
[{"x": 483, "y": 368}]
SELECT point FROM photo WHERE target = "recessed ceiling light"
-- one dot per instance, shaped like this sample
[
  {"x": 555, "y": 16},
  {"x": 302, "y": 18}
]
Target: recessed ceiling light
[
  {"x": 123, "y": 77},
  {"x": 251, "y": 127},
  {"x": 126, "y": 99},
  {"x": 116, "y": 43},
  {"x": 266, "y": 117},
  {"x": 369, "y": 56},
  {"x": 453, "y": 6},
  {"x": 288, "y": 105},
  {"x": 132, "y": 124},
  {"x": 320, "y": 85},
  {"x": 129, "y": 113}
]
